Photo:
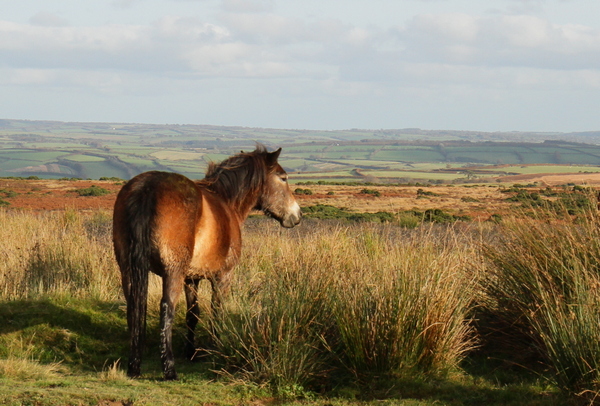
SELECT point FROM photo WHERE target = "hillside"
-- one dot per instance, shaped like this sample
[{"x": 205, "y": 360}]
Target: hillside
[{"x": 57, "y": 150}]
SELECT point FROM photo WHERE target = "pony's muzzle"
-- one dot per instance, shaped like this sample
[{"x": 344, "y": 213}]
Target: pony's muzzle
[{"x": 293, "y": 218}]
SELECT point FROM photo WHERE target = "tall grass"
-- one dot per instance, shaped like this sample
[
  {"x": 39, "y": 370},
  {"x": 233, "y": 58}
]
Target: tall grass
[
  {"x": 327, "y": 304},
  {"x": 53, "y": 253},
  {"x": 346, "y": 303},
  {"x": 544, "y": 282}
]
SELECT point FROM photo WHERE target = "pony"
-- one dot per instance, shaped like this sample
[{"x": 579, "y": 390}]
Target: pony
[{"x": 186, "y": 231}]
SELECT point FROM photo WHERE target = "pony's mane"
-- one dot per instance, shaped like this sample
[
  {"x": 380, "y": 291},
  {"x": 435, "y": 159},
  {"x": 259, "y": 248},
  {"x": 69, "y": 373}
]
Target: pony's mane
[{"x": 238, "y": 176}]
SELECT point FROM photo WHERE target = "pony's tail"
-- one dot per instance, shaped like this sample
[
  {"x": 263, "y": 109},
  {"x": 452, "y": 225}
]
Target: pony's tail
[{"x": 140, "y": 216}]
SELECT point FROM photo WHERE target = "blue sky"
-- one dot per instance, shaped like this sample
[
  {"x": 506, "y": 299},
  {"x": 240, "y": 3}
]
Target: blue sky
[{"x": 494, "y": 65}]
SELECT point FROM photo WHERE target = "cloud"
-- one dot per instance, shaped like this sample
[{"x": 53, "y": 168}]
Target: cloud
[
  {"x": 252, "y": 41},
  {"x": 247, "y": 6},
  {"x": 46, "y": 19},
  {"x": 504, "y": 40}
]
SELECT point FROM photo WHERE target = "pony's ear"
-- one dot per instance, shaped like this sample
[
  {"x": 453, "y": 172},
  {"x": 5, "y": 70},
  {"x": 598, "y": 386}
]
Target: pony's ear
[{"x": 272, "y": 157}]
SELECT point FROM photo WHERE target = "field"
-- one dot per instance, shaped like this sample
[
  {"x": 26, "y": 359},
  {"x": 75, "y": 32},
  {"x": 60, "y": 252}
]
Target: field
[{"x": 55, "y": 150}]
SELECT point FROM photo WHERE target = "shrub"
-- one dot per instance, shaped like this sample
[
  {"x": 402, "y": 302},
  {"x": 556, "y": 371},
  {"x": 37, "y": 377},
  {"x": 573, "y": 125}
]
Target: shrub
[
  {"x": 325, "y": 211},
  {"x": 422, "y": 192},
  {"x": 112, "y": 179},
  {"x": 92, "y": 191},
  {"x": 300, "y": 191},
  {"x": 371, "y": 192}
]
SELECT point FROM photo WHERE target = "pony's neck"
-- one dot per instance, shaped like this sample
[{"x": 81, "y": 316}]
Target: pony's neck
[{"x": 240, "y": 190}]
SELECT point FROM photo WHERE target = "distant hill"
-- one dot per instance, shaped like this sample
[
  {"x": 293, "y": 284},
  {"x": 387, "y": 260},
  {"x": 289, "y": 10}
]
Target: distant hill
[{"x": 52, "y": 149}]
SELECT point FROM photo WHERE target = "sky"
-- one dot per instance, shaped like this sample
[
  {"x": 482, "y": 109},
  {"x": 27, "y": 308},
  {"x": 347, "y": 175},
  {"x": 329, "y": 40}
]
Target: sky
[{"x": 478, "y": 65}]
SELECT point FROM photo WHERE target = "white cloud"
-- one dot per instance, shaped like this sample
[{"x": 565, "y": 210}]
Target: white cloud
[{"x": 526, "y": 41}]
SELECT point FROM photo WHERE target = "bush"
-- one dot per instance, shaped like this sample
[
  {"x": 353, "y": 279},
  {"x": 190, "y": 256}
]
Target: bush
[
  {"x": 300, "y": 191},
  {"x": 371, "y": 192},
  {"x": 92, "y": 191},
  {"x": 422, "y": 192},
  {"x": 324, "y": 211}
]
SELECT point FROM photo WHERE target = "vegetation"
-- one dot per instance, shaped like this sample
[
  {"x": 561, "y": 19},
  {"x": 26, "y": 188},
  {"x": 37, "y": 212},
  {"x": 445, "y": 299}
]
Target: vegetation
[
  {"x": 92, "y": 191},
  {"x": 408, "y": 218},
  {"x": 542, "y": 295},
  {"x": 371, "y": 192},
  {"x": 300, "y": 191},
  {"x": 503, "y": 313}
]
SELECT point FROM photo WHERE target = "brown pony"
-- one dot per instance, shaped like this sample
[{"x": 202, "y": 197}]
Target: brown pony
[{"x": 185, "y": 231}]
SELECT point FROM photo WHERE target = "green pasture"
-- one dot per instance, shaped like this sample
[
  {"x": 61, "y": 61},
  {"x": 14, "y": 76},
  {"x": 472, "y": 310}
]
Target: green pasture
[
  {"x": 141, "y": 145},
  {"x": 174, "y": 155},
  {"x": 84, "y": 158},
  {"x": 16, "y": 164},
  {"x": 213, "y": 157},
  {"x": 92, "y": 169},
  {"x": 141, "y": 162},
  {"x": 33, "y": 155},
  {"x": 412, "y": 155},
  {"x": 415, "y": 175},
  {"x": 130, "y": 150}
]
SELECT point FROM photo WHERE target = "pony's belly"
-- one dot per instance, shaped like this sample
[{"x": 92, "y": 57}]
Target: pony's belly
[{"x": 206, "y": 263}]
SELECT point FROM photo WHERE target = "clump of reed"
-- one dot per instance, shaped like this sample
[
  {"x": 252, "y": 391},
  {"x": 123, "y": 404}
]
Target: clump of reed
[
  {"x": 351, "y": 303},
  {"x": 543, "y": 285}
]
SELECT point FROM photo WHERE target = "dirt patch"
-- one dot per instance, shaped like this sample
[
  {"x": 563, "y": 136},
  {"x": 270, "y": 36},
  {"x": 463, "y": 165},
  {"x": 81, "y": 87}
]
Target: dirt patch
[
  {"x": 478, "y": 202},
  {"x": 42, "y": 195}
]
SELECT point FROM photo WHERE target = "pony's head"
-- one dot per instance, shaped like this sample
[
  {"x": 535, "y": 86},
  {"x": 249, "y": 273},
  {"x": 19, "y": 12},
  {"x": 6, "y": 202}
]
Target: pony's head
[
  {"x": 276, "y": 198},
  {"x": 255, "y": 180}
]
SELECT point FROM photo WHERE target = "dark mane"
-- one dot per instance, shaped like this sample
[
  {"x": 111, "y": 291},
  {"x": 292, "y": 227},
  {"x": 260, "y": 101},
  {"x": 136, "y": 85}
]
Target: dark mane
[{"x": 238, "y": 176}]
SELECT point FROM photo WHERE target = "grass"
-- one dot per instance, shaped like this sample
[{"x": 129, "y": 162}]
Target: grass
[
  {"x": 325, "y": 314},
  {"x": 543, "y": 291}
]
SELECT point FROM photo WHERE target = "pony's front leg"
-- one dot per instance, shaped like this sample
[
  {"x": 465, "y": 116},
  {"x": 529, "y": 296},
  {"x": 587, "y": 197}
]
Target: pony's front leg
[
  {"x": 171, "y": 292},
  {"x": 192, "y": 316}
]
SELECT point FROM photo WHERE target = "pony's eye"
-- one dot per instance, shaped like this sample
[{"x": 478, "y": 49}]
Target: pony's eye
[{"x": 284, "y": 178}]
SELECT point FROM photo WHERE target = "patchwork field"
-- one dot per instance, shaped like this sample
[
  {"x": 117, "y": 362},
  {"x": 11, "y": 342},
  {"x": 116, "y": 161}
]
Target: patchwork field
[{"x": 55, "y": 150}]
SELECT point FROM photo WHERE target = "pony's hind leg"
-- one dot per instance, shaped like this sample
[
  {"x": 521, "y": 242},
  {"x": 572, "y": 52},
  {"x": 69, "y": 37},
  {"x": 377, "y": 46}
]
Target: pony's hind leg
[
  {"x": 192, "y": 315},
  {"x": 171, "y": 291},
  {"x": 134, "y": 280}
]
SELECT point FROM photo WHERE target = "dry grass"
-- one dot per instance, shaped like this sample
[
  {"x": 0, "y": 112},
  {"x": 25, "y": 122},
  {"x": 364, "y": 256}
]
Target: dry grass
[
  {"x": 357, "y": 301},
  {"x": 478, "y": 202},
  {"x": 56, "y": 252}
]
